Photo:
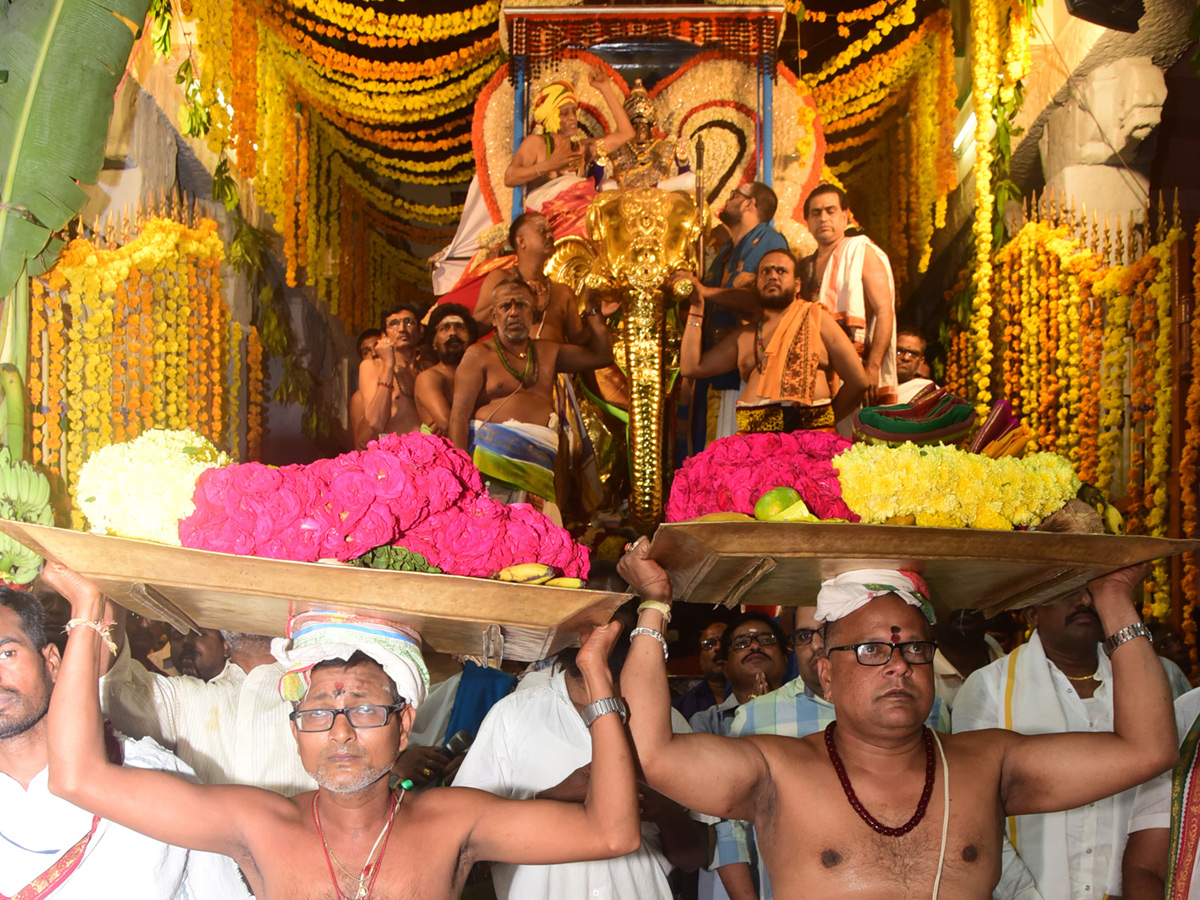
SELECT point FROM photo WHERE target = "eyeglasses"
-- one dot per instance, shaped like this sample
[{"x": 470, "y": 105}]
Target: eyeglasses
[
  {"x": 912, "y": 353},
  {"x": 878, "y": 653},
  {"x": 399, "y": 323},
  {"x": 358, "y": 716},
  {"x": 742, "y": 641},
  {"x": 709, "y": 643},
  {"x": 802, "y": 636}
]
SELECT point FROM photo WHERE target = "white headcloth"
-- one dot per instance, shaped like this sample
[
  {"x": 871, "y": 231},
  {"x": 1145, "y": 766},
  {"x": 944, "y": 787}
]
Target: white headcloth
[
  {"x": 317, "y": 636},
  {"x": 843, "y": 594}
]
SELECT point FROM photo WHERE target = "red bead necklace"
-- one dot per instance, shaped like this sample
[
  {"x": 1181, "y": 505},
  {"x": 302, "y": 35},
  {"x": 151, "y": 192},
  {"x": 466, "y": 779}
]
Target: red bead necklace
[{"x": 856, "y": 804}]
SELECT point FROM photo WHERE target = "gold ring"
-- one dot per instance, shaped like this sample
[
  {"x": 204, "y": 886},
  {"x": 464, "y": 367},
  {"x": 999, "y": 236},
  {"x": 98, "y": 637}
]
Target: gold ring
[{"x": 427, "y": 772}]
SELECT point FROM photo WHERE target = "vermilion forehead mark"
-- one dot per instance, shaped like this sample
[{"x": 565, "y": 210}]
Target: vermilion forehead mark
[{"x": 895, "y": 634}]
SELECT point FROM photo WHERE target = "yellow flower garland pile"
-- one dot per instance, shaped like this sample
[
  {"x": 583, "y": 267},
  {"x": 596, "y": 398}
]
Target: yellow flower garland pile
[
  {"x": 130, "y": 339},
  {"x": 1075, "y": 331},
  {"x": 893, "y": 111}
]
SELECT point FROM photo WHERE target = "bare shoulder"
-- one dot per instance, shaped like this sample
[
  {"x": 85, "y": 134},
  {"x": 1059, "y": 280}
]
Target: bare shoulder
[{"x": 477, "y": 355}]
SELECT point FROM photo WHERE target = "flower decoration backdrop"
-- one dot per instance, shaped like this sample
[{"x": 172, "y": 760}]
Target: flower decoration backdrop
[{"x": 133, "y": 338}]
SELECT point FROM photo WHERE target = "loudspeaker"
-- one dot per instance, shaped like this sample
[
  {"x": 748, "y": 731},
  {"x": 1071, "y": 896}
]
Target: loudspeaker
[{"x": 1119, "y": 15}]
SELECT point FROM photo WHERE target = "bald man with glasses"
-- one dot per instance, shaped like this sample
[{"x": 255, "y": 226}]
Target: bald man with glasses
[{"x": 864, "y": 809}]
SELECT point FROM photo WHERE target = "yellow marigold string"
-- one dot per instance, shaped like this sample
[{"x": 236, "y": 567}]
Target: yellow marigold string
[{"x": 1189, "y": 477}]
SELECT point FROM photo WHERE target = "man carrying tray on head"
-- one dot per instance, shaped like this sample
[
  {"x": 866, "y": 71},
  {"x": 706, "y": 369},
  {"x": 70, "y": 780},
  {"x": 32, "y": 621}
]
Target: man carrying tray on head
[
  {"x": 356, "y": 683},
  {"x": 865, "y": 807}
]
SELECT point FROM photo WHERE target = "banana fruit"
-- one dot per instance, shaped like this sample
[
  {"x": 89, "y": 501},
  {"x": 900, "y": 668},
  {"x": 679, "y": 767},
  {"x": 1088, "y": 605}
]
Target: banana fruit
[
  {"x": 565, "y": 582},
  {"x": 1114, "y": 522},
  {"x": 24, "y": 497},
  {"x": 527, "y": 573}
]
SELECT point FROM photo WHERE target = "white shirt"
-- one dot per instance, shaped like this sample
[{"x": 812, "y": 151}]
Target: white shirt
[
  {"x": 906, "y": 390},
  {"x": 233, "y": 729},
  {"x": 1089, "y": 828},
  {"x": 947, "y": 680},
  {"x": 1152, "y": 803},
  {"x": 531, "y": 741},
  {"x": 37, "y": 828}
]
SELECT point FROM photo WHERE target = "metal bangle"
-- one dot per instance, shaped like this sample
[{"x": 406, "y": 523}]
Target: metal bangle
[{"x": 657, "y": 635}]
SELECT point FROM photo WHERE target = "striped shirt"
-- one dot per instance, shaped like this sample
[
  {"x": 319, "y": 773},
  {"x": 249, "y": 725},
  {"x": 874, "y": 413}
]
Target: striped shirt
[{"x": 233, "y": 729}]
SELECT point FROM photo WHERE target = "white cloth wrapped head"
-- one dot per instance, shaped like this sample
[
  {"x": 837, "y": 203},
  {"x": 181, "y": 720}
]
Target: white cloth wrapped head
[
  {"x": 843, "y": 594},
  {"x": 321, "y": 635}
]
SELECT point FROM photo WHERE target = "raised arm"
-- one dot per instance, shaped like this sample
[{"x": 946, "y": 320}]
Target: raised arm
[
  {"x": 595, "y": 355},
  {"x": 693, "y": 361},
  {"x": 212, "y": 818},
  {"x": 624, "y": 131},
  {"x": 375, "y": 379},
  {"x": 543, "y": 832},
  {"x": 1050, "y": 772},
  {"x": 743, "y": 299},
  {"x": 468, "y": 384},
  {"x": 719, "y": 776},
  {"x": 846, "y": 364}
]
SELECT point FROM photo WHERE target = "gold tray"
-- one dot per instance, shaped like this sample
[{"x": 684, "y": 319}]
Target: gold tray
[
  {"x": 784, "y": 563},
  {"x": 191, "y": 588}
]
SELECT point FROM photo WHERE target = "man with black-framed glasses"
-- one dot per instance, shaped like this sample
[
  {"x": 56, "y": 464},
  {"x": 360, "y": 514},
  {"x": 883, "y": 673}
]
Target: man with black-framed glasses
[
  {"x": 356, "y": 684},
  {"x": 864, "y": 809},
  {"x": 387, "y": 378}
]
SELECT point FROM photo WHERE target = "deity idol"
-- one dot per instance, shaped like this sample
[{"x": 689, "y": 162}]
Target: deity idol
[{"x": 648, "y": 161}]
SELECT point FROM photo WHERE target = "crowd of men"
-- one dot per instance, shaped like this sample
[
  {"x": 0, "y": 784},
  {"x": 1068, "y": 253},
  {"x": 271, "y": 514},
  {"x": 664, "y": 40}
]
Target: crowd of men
[
  {"x": 768, "y": 339},
  {"x": 813, "y": 737}
]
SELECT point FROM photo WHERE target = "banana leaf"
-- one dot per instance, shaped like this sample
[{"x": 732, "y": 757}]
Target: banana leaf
[{"x": 60, "y": 63}]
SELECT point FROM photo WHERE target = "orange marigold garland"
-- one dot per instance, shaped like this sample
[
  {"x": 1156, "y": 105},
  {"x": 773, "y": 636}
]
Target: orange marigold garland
[{"x": 1189, "y": 474}]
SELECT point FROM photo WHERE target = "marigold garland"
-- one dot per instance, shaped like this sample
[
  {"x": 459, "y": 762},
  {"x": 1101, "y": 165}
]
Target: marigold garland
[
  {"x": 127, "y": 339},
  {"x": 1189, "y": 475}
]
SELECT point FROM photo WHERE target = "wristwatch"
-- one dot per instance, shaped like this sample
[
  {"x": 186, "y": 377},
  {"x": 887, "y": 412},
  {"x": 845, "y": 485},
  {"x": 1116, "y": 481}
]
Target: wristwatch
[
  {"x": 1128, "y": 633},
  {"x": 604, "y": 705}
]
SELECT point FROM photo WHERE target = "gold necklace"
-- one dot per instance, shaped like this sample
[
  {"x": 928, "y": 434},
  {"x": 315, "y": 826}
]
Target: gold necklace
[
  {"x": 1095, "y": 676},
  {"x": 370, "y": 869}
]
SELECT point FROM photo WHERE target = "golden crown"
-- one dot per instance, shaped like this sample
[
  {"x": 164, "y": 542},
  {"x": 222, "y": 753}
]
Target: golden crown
[{"x": 639, "y": 105}]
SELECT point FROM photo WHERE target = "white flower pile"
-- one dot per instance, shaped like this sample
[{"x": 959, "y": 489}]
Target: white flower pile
[{"x": 142, "y": 488}]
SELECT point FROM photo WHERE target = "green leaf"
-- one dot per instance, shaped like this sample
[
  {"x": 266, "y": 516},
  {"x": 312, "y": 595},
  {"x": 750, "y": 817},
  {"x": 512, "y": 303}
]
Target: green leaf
[
  {"x": 64, "y": 60},
  {"x": 248, "y": 248},
  {"x": 223, "y": 187}
]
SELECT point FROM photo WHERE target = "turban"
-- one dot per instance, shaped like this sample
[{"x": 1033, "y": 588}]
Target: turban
[
  {"x": 549, "y": 101},
  {"x": 849, "y": 591},
  {"x": 318, "y": 636}
]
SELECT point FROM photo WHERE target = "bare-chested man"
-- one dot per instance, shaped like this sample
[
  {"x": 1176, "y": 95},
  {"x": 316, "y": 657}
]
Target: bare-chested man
[
  {"x": 453, "y": 332},
  {"x": 386, "y": 380},
  {"x": 789, "y": 354},
  {"x": 555, "y": 312},
  {"x": 353, "y": 836},
  {"x": 861, "y": 809},
  {"x": 504, "y": 396},
  {"x": 558, "y": 146}
]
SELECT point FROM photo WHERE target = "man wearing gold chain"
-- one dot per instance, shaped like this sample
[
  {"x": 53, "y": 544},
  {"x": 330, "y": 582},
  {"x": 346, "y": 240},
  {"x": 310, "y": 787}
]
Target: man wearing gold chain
[
  {"x": 1059, "y": 681},
  {"x": 504, "y": 409}
]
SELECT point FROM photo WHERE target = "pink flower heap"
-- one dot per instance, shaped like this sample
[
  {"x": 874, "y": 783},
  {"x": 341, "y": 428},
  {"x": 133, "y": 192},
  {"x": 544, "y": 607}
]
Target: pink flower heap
[
  {"x": 732, "y": 473},
  {"x": 413, "y": 490}
]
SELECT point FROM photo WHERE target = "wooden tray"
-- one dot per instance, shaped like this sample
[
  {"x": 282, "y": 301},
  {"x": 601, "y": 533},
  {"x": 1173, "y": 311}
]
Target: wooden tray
[
  {"x": 784, "y": 563},
  {"x": 191, "y": 588}
]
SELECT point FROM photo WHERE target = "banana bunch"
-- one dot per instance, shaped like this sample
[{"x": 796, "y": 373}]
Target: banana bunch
[
  {"x": 1114, "y": 522},
  {"x": 537, "y": 573},
  {"x": 24, "y": 492},
  {"x": 24, "y": 497}
]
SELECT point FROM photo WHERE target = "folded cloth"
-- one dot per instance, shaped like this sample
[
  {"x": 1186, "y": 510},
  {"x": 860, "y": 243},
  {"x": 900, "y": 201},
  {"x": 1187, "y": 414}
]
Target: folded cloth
[
  {"x": 933, "y": 417},
  {"x": 321, "y": 635},
  {"x": 793, "y": 356},
  {"x": 783, "y": 417},
  {"x": 849, "y": 591},
  {"x": 516, "y": 453}
]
